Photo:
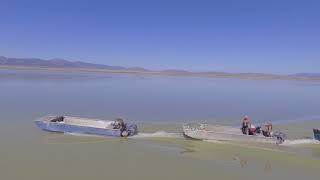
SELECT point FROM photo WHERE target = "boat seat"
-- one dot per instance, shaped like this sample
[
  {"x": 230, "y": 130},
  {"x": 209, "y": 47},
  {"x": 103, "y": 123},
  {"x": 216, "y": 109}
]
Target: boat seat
[
  {"x": 88, "y": 122},
  {"x": 57, "y": 119}
]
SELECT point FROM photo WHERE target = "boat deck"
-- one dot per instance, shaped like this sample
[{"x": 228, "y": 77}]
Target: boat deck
[{"x": 96, "y": 123}]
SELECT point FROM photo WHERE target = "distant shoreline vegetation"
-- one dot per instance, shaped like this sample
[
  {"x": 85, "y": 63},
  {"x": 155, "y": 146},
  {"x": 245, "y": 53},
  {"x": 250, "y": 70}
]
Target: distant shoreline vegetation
[{"x": 68, "y": 66}]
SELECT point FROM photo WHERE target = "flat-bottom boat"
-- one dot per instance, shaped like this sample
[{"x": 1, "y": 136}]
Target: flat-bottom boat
[
  {"x": 68, "y": 124},
  {"x": 226, "y": 133},
  {"x": 316, "y": 133}
]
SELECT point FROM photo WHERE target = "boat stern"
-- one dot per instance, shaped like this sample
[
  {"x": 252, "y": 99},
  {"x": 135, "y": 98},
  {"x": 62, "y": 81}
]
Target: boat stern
[
  {"x": 132, "y": 128},
  {"x": 316, "y": 133}
]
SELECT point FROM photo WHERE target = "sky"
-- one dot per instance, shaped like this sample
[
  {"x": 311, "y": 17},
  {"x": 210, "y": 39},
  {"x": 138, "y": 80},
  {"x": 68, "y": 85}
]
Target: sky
[{"x": 269, "y": 36}]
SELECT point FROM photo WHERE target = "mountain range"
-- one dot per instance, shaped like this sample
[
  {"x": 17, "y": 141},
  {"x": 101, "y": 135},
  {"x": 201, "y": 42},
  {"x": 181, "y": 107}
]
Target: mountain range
[
  {"x": 62, "y": 64},
  {"x": 53, "y": 63}
]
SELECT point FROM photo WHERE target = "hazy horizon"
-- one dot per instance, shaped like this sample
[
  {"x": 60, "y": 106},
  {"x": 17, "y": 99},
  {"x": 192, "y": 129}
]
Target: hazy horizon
[{"x": 177, "y": 69}]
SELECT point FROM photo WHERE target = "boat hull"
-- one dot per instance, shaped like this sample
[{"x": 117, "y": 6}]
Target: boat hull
[
  {"x": 316, "y": 133},
  {"x": 230, "y": 135},
  {"x": 70, "y": 128}
]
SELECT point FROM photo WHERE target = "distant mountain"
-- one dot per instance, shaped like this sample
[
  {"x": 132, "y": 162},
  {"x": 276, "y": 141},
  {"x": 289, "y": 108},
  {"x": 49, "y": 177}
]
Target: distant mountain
[
  {"x": 137, "y": 69},
  {"x": 65, "y": 65},
  {"x": 2, "y": 58},
  {"x": 57, "y": 63},
  {"x": 175, "y": 71},
  {"x": 306, "y": 75}
]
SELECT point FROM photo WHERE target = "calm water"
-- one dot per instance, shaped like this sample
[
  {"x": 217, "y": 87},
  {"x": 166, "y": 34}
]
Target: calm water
[{"x": 159, "y": 104}]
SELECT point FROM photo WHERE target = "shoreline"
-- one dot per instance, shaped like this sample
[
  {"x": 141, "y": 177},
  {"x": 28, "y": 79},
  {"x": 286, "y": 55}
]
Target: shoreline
[{"x": 244, "y": 76}]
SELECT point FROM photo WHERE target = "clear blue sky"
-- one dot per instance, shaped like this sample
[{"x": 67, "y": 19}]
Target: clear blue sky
[{"x": 278, "y": 36}]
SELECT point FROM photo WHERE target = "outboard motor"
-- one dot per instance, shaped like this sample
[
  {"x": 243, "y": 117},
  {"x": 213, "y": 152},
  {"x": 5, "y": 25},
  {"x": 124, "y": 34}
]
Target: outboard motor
[
  {"x": 316, "y": 133},
  {"x": 259, "y": 130},
  {"x": 129, "y": 130},
  {"x": 280, "y": 136}
]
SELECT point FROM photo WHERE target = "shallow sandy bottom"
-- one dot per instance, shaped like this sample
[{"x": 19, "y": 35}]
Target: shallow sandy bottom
[{"x": 154, "y": 154}]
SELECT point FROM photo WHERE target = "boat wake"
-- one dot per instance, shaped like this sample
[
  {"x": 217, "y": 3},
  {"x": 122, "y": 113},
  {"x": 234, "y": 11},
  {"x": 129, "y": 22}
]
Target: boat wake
[
  {"x": 158, "y": 134},
  {"x": 245, "y": 145},
  {"x": 164, "y": 134},
  {"x": 83, "y": 134},
  {"x": 216, "y": 141},
  {"x": 297, "y": 142}
]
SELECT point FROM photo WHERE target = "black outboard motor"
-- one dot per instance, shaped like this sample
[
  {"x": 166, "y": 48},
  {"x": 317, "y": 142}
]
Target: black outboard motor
[
  {"x": 280, "y": 136},
  {"x": 316, "y": 133},
  {"x": 129, "y": 130},
  {"x": 259, "y": 130}
]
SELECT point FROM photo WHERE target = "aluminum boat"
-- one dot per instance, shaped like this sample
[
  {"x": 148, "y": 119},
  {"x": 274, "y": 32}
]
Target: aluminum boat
[
  {"x": 68, "y": 124},
  {"x": 226, "y": 133}
]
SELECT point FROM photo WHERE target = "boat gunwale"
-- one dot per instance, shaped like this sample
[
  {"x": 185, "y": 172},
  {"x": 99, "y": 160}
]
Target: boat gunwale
[
  {"x": 46, "y": 120},
  {"x": 213, "y": 132},
  {"x": 243, "y": 135}
]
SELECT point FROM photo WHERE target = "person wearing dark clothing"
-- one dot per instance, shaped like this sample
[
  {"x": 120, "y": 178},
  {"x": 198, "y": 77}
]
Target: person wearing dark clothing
[{"x": 246, "y": 124}]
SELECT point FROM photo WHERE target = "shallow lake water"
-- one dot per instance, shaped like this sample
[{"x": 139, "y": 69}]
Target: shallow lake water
[{"x": 159, "y": 105}]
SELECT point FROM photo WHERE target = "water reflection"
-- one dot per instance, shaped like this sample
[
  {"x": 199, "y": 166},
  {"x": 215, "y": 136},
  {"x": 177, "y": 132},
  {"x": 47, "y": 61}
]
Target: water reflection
[
  {"x": 316, "y": 151},
  {"x": 225, "y": 152},
  {"x": 242, "y": 161},
  {"x": 61, "y": 138},
  {"x": 174, "y": 99},
  {"x": 38, "y": 76},
  {"x": 267, "y": 167}
]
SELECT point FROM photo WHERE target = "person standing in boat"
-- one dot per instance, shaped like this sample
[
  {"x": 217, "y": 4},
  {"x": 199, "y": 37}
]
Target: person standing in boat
[
  {"x": 246, "y": 124},
  {"x": 119, "y": 123},
  {"x": 268, "y": 130}
]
